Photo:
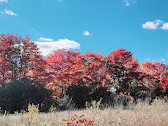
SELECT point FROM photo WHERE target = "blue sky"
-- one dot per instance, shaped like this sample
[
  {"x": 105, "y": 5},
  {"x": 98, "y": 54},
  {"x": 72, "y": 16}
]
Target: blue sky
[{"x": 140, "y": 26}]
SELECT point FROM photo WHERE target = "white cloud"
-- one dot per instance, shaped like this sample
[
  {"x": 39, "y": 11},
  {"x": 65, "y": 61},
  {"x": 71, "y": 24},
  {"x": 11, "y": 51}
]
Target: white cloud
[
  {"x": 129, "y": 2},
  {"x": 45, "y": 39},
  {"x": 86, "y": 33},
  {"x": 47, "y": 47},
  {"x": 152, "y": 25},
  {"x": 8, "y": 12},
  {"x": 165, "y": 26},
  {"x": 3, "y": 1}
]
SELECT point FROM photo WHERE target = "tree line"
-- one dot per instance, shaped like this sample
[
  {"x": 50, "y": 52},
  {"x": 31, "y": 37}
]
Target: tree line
[{"x": 119, "y": 70}]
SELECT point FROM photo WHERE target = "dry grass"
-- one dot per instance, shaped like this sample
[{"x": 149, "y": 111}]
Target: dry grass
[{"x": 140, "y": 115}]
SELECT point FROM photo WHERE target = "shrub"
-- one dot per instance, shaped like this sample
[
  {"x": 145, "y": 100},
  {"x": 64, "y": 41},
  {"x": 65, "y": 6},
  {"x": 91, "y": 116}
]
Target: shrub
[
  {"x": 65, "y": 103},
  {"x": 16, "y": 96},
  {"x": 80, "y": 94},
  {"x": 123, "y": 99},
  {"x": 158, "y": 91},
  {"x": 107, "y": 97}
]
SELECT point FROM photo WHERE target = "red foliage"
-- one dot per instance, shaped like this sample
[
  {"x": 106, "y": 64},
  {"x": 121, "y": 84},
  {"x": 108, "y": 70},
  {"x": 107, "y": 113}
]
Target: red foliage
[
  {"x": 158, "y": 72},
  {"x": 75, "y": 120},
  {"x": 126, "y": 96},
  {"x": 18, "y": 57},
  {"x": 119, "y": 56},
  {"x": 68, "y": 67},
  {"x": 122, "y": 67},
  {"x": 65, "y": 68},
  {"x": 95, "y": 71}
]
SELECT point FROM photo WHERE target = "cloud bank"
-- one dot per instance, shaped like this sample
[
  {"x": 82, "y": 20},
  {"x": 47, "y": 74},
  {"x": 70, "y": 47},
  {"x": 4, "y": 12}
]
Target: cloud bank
[
  {"x": 156, "y": 24},
  {"x": 46, "y": 47}
]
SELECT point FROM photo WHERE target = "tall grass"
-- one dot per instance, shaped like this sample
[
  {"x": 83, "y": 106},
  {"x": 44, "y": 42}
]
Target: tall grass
[{"x": 141, "y": 114}]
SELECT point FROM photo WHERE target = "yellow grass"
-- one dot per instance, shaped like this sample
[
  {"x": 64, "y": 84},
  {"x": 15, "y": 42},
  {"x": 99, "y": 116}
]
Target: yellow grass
[{"x": 140, "y": 115}]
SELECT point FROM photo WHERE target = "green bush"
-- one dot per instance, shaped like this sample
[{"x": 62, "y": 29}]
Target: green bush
[
  {"x": 16, "y": 96},
  {"x": 80, "y": 94}
]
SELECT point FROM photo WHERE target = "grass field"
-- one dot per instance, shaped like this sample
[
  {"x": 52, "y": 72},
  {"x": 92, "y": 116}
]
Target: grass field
[{"x": 140, "y": 115}]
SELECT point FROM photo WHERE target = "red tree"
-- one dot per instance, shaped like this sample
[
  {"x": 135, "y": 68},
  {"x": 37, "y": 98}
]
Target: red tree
[
  {"x": 158, "y": 72},
  {"x": 95, "y": 70},
  {"x": 32, "y": 63},
  {"x": 65, "y": 68},
  {"x": 18, "y": 56},
  {"x": 68, "y": 67},
  {"x": 122, "y": 68}
]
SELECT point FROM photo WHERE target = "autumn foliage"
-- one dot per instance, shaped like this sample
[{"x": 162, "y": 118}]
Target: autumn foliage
[
  {"x": 78, "y": 120},
  {"x": 157, "y": 71},
  {"x": 65, "y": 68},
  {"x": 20, "y": 58},
  {"x": 122, "y": 68}
]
